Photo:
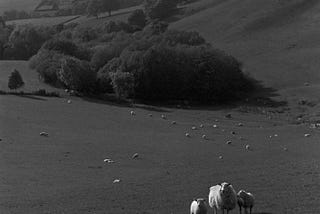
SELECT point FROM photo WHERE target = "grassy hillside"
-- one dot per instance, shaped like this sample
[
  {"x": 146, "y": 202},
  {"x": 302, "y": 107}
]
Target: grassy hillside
[
  {"x": 65, "y": 172},
  {"x": 277, "y": 40},
  {"x": 27, "y": 5}
]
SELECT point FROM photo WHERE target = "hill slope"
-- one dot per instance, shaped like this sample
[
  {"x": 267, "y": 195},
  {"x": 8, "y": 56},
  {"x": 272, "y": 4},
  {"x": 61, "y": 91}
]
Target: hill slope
[
  {"x": 27, "y": 5},
  {"x": 276, "y": 39}
]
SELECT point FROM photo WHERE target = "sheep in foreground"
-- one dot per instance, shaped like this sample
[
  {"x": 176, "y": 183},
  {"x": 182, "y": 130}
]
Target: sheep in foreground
[
  {"x": 245, "y": 200},
  {"x": 222, "y": 197},
  {"x": 44, "y": 134},
  {"x": 198, "y": 206}
]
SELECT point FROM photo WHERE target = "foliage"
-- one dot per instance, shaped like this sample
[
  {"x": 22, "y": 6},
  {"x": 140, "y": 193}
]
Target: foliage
[
  {"x": 174, "y": 37},
  {"x": 195, "y": 73},
  {"x": 94, "y": 7},
  {"x": 47, "y": 64},
  {"x": 26, "y": 40},
  {"x": 123, "y": 84},
  {"x": 137, "y": 18},
  {"x": 15, "y": 80},
  {"x": 77, "y": 75},
  {"x": 67, "y": 47},
  {"x": 160, "y": 9}
]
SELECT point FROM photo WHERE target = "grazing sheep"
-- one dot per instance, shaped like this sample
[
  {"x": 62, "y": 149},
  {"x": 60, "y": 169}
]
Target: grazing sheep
[
  {"x": 307, "y": 135},
  {"x": 44, "y": 134},
  {"x": 187, "y": 135},
  {"x": 245, "y": 200},
  {"x": 163, "y": 117},
  {"x": 248, "y": 147},
  {"x": 194, "y": 128},
  {"x": 201, "y": 125},
  {"x": 198, "y": 206},
  {"x": 229, "y": 142},
  {"x": 215, "y": 126},
  {"x": 69, "y": 101},
  {"x": 173, "y": 122},
  {"x": 150, "y": 115},
  {"x": 222, "y": 197},
  {"x": 135, "y": 156},
  {"x": 220, "y": 157},
  {"x": 132, "y": 113},
  {"x": 204, "y": 136},
  {"x": 116, "y": 181}
]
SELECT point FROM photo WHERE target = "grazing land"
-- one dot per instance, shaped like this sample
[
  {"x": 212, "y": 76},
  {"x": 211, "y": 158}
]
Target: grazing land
[
  {"x": 26, "y": 5},
  {"x": 65, "y": 172}
]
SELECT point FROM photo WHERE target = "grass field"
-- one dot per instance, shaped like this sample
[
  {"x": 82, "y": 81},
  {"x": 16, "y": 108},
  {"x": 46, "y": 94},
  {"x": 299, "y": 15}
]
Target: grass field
[
  {"x": 30, "y": 77},
  {"x": 65, "y": 172},
  {"x": 26, "y": 5}
]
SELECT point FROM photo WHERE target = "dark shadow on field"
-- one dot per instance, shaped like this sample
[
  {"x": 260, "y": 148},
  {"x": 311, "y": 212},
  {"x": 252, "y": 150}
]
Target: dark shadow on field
[
  {"x": 31, "y": 97},
  {"x": 112, "y": 101},
  {"x": 259, "y": 96}
]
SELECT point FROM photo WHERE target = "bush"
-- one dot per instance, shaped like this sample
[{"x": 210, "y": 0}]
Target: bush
[
  {"x": 137, "y": 18},
  {"x": 197, "y": 73},
  {"x": 113, "y": 26},
  {"x": 67, "y": 47},
  {"x": 25, "y": 41},
  {"x": 123, "y": 84},
  {"x": 103, "y": 54},
  {"x": 15, "y": 80},
  {"x": 47, "y": 64},
  {"x": 160, "y": 9},
  {"x": 77, "y": 75},
  {"x": 174, "y": 37}
]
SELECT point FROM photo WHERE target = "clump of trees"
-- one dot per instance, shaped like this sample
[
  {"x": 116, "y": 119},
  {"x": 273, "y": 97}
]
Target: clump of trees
[
  {"x": 15, "y": 80},
  {"x": 96, "y": 7},
  {"x": 140, "y": 59}
]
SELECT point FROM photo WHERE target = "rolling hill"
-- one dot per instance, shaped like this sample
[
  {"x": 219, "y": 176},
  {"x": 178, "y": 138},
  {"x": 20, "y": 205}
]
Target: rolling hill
[
  {"x": 27, "y": 5},
  {"x": 277, "y": 40}
]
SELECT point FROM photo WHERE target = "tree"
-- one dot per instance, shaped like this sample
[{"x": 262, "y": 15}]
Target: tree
[
  {"x": 137, "y": 18},
  {"x": 160, "y": 9},
  {"x": 15, "y": 80},
  {"x": 110, "y": 5},
  {"x": 94, "y": 8}
]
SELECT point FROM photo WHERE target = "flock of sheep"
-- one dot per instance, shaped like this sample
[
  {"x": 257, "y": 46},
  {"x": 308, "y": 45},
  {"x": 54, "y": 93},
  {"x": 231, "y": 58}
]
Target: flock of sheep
[{"x": 223, "y": 197}]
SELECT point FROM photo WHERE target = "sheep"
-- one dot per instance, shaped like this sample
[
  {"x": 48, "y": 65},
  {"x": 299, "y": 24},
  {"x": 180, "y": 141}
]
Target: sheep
[
  {"x": 222, "y": 197},
  {"x": 44, "y": 134},
  {"x": 245, "y": 200},
  {"x": 132, "y": 113},
  {"x": 187, "y": 134},
  {"x": 204, "y": 137},
  {"x": 173, "y": 122},
  {"x": 135, "y": 156},
  {"x": 198, "y": 206}
]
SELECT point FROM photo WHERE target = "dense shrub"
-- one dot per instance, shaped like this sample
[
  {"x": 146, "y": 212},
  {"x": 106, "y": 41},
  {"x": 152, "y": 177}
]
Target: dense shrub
[
  {"x": 104, "y": 54},
  {"x": 197, "y": 73},
  {"x": 26, "y": 40},
  {"x": 67, "y": 47},
  {"x": 123, "y": 84},
  {"x": 174, "y": 37},
  {"x": 84, "y": 34},
  {"x": 113, "y": 26},
  {"x": 47, "y": 64},
  {"x": 15, "y": 80},
  {"x": 77, "y": 75},
  {"x": 160, "y": 9},
  {"x": 137, "y": 18}
]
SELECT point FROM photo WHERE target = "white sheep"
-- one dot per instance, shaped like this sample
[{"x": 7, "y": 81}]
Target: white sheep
[
  {"x": 132, "y": 113},
  {"x": 44, "y": 134},
  {"x": 198, "y": 206},
  {"x": 222, "y": 197},
  {"x": 245, "y": 200}
]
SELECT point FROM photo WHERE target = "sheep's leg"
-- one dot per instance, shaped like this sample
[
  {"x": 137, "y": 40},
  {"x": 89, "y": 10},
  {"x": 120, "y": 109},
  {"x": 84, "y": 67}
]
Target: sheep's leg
[
  {"x": 215, "y": 211},
  {"x": 240, "y": 209}
]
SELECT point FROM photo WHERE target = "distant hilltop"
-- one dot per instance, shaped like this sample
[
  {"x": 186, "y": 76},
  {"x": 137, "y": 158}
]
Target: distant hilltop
[{"x": 51, "y": 7}]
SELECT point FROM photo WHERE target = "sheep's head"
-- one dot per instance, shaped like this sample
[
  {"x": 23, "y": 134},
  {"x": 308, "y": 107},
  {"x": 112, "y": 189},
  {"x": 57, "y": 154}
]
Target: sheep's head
[
  {"x": 201, "y": 202},
  {"x": 226, "y": 188}
]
